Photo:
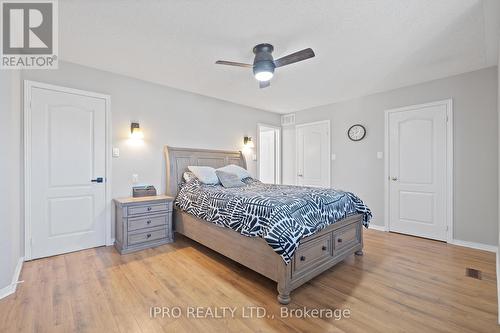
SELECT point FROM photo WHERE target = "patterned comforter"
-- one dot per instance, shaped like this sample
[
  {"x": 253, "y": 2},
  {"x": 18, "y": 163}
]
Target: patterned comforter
[{"x": 280, "y": 214}]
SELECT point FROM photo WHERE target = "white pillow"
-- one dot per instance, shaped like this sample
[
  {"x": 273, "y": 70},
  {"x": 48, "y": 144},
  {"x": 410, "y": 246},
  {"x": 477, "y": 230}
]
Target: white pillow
[
  {"x": 188, "y": 175},
  {"x": 239, "y": 171},
  {"x": 205, "y": 174}
]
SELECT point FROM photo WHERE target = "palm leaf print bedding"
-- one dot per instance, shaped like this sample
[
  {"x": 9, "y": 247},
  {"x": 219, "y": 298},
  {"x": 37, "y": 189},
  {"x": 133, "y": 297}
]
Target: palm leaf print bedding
[{"x": 281, "y": 214}]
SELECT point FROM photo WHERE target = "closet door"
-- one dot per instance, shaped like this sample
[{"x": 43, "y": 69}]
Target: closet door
[
  {"x": 313, "y": 154},
  {"x": 68, "y": 169}
]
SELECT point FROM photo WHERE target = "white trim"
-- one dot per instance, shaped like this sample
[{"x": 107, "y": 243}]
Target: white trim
[
  {"x": 329, "y": 148},
  {"x": 449, "y": 161},
  {"x": 498, "y": 185},
  {"x": 498, "y": 284},
  {"x": 279, "y": 146},
  {"x": 377, "y": 227},
  {"x": 27, "y": 168},
  {"x": 449, "y": 167},
  {"x": 474, "y": 245},
  {"x": 109, "y": 176},
  {"x": 457, "y": 242},
  {"x": 11, "y": 288},
  {"x": 28, "y": 85}
]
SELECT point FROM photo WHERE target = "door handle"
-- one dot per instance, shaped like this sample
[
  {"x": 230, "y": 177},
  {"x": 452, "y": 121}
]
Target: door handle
[
  {"x": 300, "y": 175},
  {"x": 97, "y": 180},
  {"x": 394, "y": 179}
]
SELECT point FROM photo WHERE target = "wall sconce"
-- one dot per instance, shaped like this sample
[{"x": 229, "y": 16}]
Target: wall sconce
[
  {"x": 247, "y": 142},
  {"x": 135, "y": 131}
]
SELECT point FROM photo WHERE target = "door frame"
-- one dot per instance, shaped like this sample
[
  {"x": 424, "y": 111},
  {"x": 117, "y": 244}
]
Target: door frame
[
  {"x": 27, "y": 88},
  {"x": 329, "y": 134},
  {"x": 449, "y": 162},
  {"x": 257, "y": 149}
]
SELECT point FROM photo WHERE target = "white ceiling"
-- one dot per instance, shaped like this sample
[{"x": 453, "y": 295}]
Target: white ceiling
[{"x": 361, "y": 47}]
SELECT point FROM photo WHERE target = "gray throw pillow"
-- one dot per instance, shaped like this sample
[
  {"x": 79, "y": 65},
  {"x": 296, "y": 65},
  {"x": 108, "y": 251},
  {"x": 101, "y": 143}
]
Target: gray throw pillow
[{"x": 229, "y": 179}]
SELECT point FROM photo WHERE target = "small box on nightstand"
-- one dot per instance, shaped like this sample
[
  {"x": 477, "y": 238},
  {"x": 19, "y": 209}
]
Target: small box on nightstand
[{"x": 143, "y": 222}]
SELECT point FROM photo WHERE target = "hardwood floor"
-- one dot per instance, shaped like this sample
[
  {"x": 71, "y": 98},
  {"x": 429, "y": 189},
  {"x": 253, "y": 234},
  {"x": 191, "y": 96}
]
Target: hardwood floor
[{"x": 402, "y": 283}]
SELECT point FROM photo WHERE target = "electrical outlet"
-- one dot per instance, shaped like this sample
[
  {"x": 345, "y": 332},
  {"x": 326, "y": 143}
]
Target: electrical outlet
[
  {"x": 135, "y": 178},
  {"x": 116, "y": 152}
]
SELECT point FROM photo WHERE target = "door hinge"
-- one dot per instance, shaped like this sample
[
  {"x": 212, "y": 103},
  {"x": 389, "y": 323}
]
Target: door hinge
[{"x": 447, "y": 228}]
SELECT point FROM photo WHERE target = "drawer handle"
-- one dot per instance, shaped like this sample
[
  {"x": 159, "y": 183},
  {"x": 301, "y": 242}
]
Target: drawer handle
[
  {"x": 148, "y": 221},
  {"x": 148, "y": 235},
  {"x": 339, "y": 240},
  {"x": 323, "y": 248},
  {"x": 302, "y": 258},
  {"x": 149, "y": 209}
]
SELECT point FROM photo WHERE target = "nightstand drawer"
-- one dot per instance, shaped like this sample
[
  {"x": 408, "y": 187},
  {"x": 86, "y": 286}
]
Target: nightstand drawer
[
  {"x": 147, "y": 209},
  {"x": 146, "y": 236},
  {"x": 147, "y": 222}
]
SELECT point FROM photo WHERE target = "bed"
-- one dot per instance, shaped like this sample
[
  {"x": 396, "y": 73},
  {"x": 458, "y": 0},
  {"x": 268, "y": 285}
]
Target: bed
[{"x": 313, "y": 254}]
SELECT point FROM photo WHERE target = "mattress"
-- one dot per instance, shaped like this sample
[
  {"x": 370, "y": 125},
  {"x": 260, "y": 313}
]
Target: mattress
[{"x": 281, "y": 214}]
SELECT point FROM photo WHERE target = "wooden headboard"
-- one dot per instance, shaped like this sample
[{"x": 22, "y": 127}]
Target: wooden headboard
[{"x": 178, "y": 159}]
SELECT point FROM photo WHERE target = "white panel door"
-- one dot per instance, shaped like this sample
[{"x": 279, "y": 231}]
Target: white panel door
[
  {"x": 417, "y": 171},
  {"x": 68, "y": 133},
  {"x": 313, "y": 154},
  {"x": 269, "y": 154}
]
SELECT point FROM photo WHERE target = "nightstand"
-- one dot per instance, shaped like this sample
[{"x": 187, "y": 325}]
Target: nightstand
[{"x": 141, "y": 223}]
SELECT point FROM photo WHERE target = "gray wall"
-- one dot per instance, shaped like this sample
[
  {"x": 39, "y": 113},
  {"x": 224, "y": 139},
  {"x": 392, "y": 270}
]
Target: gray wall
[
  {"x": 475, "y": 125},
  {"x": 10, "y": 169},
  {"x": 166, "y": 115}
]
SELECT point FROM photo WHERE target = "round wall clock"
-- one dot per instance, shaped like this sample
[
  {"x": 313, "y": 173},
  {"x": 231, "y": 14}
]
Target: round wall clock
[{"x": 356, "y": 132}]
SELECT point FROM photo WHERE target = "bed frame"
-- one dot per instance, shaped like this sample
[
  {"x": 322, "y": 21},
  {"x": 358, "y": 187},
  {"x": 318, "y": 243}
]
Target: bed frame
[{"x": 315, "y": 254}]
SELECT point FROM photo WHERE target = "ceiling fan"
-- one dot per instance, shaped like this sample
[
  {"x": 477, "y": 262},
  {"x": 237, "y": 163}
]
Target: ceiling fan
[{"x": 264, "y": 64}]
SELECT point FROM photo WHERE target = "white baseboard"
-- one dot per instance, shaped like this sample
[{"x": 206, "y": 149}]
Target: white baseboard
[
  {"x": 10, "y": 289},
  {"x": 473, "y": 245},
  {"x": 377, "y": 227}
]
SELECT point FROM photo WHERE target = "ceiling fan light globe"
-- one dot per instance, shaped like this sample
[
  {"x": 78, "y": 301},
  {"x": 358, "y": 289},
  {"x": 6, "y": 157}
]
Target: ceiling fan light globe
[{"x": 264, "y": 76}]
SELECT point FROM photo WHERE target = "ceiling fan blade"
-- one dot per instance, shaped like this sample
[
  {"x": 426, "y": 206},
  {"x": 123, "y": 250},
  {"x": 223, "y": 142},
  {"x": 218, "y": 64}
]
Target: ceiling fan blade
[
  {"x": 264, "y": 84},
  {"x": 231, "y": 63},
  {"x": 294, "y": 57}
]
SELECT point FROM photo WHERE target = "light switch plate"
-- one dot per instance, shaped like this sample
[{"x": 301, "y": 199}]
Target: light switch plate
[
  {"x": 380, "y": 155},
  {"x": 334, "y": 157},
  {"x": 254, "y": 157},
  {"x": 116, "y": 152},
  {"x": 135, "y": 178}
]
